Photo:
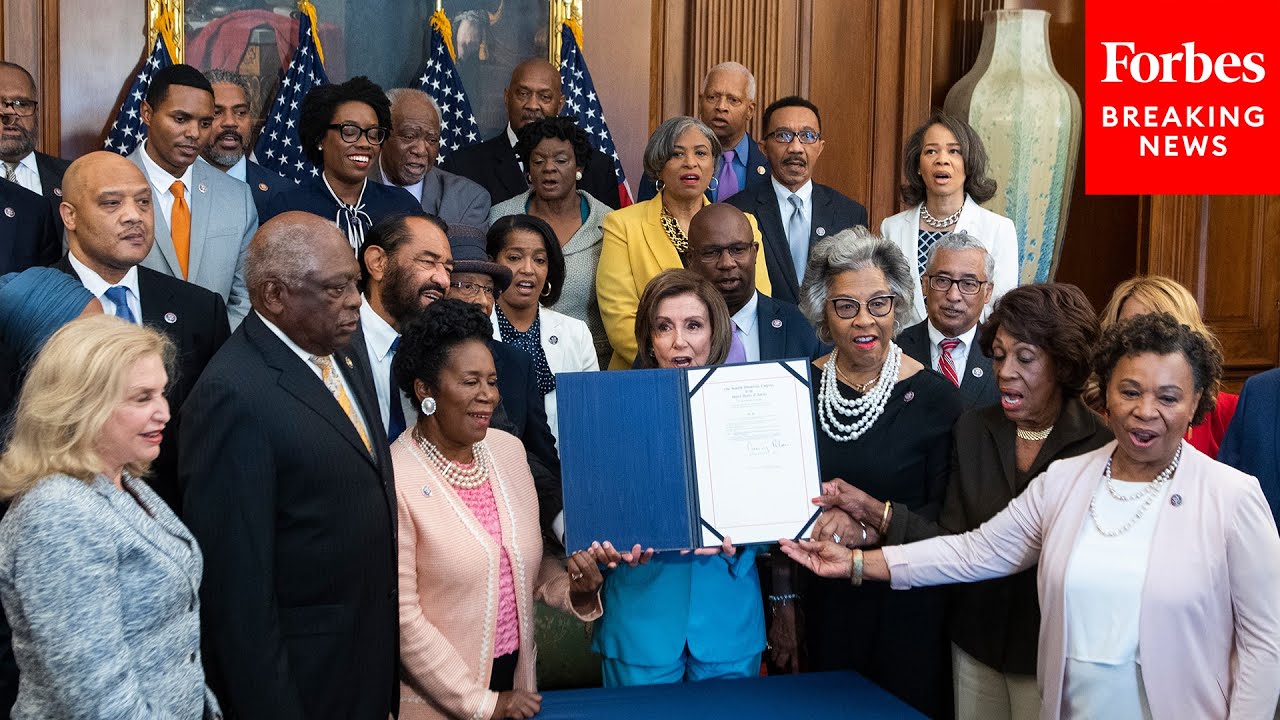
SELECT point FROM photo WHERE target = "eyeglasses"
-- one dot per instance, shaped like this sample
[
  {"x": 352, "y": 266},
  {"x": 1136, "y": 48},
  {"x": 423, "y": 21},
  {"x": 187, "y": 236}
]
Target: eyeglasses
[
  {"x": 21, "y": 108},
  {"x": 878, "y": 306},
  {"x": 784, "y": 137},
  {"x": 943, "y": 283},
  {"x": 351, "y": 133},
  {"x": 473, "y": 289},
  {"x": 739, "y": 251}
]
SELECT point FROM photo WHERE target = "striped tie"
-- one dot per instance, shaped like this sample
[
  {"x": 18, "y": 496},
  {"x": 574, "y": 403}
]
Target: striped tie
[
  {"x": 331, "y": 381},
  {"x": 946, "y": 365}
]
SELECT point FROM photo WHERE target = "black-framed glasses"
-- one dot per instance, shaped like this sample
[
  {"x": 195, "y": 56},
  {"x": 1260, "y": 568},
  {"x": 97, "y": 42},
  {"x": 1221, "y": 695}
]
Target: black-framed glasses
[
  {"x": 943, "y": 283},
  {"x": 351, "y": 133},
  {"x": 20, "y": 107},
  {"x": 878, "y": 306},
  {"x": 784, "y": 137},
  {"x": 737, "y": 251},
  {"x": 472, "y": 289}
]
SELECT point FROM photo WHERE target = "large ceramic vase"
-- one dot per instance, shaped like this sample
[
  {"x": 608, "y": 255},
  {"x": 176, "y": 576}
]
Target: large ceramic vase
[{"x": 1029, "y": 120}]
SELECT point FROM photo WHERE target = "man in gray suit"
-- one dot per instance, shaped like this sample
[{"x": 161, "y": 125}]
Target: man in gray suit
[
  {"x": 957, "y": 286},
  {"x": 230, "y": 141},
  {"x": 408, "y": 160},
  {"x": 203, "y": 219}
]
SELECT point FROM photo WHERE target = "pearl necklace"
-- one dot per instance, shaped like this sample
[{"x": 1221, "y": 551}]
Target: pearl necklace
[
  {"x": 932, "y": 221},
  {"x": 1150, "y": 493},
  {"x": 1034, "y": 435},
  {"x": 459, "y": 477},
  {"x": 864, "y": 410}
]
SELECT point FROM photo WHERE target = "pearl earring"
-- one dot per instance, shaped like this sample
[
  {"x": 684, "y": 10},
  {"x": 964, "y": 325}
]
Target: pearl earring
[
  {"x": 578, "y": 175},
  {"x": 428, "y": 406}
]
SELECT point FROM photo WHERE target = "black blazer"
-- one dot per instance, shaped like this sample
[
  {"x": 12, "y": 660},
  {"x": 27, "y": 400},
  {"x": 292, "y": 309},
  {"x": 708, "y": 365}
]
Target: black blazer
[
  {"x": 51, "y": 171},
  {"x": 28, "y": 236},
  {"x": 757, "y": 175},
  {"x": 832, "y": 212},
  {"x": 195, "y": 319},
  {"x": 524, "y": 415},
  {"x": 297, "y": 522},
  {"x": 493, "y": 164},
  {"x": 978, "y": 387},
  {"x": 784, "y": 332},
  {"x": 265, "y": 184}
]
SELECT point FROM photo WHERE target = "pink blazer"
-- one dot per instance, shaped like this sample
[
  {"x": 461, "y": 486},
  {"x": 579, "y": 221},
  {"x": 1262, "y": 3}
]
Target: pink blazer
[
  {"x": 449, "y": 582},
  {"x": 1209, "y": 636}
]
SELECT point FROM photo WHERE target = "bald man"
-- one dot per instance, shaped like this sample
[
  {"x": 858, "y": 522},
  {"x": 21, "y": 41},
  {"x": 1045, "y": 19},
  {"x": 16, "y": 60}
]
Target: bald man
[
  {"x": 287, "y": 478},
  {"x": 106, "y": 208},
  {"x": 533, "y": 93}
]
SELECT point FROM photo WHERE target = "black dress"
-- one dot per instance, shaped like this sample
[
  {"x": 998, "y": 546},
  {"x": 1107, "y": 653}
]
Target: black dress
[
  {"x": 895, "y": 638},
  {"x": 312, "y": 196}
]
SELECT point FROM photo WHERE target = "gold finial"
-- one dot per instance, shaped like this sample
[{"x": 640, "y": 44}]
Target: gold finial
[{"x": 166, "y": 17}]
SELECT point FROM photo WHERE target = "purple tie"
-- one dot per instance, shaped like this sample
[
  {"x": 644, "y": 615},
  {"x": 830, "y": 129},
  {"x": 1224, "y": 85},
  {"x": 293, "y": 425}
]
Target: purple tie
[
  {"x": 728, "y": 186},
  {"x": 737, "y": 351}
]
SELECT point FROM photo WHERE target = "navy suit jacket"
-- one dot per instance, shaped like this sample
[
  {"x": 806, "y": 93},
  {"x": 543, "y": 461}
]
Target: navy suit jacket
[
  {"x": 525, "y": 415},
  {"x": 784, "y": 332},
  {"x": 1252, "y": 442},
  {"x": 265, "y": 184},
  {"x": 978, "y": 387},
  {"x": 27, "y": 234},
  {"x": 832, "y": 212},
  {"x": 757, "y": 175},
  {"x": 493, "y": 164},
  {"x": 51, "y": 171}
]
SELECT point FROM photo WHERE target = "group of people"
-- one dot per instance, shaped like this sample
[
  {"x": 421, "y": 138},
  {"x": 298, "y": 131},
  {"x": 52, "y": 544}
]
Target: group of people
[{"x": 287, "y": 451}]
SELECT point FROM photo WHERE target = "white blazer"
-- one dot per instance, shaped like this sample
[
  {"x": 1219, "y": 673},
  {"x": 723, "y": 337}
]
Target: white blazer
[
  {"x": 569, "y": 348},
  {"x": 995, "y": 231}
]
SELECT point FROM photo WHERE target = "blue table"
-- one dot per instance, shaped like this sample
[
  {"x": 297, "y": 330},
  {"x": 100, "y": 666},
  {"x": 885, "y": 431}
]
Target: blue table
[{"x": 812, "y": 696}]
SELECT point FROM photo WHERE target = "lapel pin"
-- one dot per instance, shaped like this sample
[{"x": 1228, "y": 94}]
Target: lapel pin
[
  {"x": 57, "y": 192},
  {"x": 170, "y": 318},
  {"x": 553, "y": 339},
  {"x": 347, "y": 360},
  {"x": 976, "y": 372},
  {"x": 911, "y": 395},
  {"x": 821, "y": 231},
  {"x": 262, "y": 187},
  {"x": 426, "y": 490},
  {"x": 776, "y": 323},
  {"x": 759, "y": 169},
  {"x": 204, "y": 188},
  {"x": 9, "y": 212},
  {"x": 1176, "y": 500}
]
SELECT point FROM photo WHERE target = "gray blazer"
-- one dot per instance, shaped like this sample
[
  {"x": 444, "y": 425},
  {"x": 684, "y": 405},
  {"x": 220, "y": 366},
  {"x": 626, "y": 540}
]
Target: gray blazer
[
  {"x": 450, "y": 197},
  {"x": 223, "y": 219},
  {"x": 103, "y": 597}
]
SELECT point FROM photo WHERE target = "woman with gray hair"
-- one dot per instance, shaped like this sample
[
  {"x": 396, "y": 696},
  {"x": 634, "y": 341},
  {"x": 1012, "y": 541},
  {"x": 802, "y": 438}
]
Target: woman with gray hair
[
  {"x": 648, "y": 237},
  {"x": 885, "y": 424}
]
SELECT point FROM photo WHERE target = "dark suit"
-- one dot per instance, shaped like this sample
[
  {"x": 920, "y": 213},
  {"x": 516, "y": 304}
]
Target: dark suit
[
  {"x": 51, "y": 171},
  {"x": 27, "y": 234},
  {"x": 978, "y": 386},
  {"x": 784, "y": 332},
  {"x": 831, "y": 213},
  {"x": 526, "y": 418},
  {"x": 265, "y": 184},
  {"x": 493, "y": 164},
  {"x": 757, "y": 175},
  {"x": 297, "y": 522},
  {"x": 1252, "y": 442}
]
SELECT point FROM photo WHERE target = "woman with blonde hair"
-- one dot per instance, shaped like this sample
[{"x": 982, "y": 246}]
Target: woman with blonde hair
[
  {"x": 99, "y": 578},
  {"x": 1146, "y": 294}
]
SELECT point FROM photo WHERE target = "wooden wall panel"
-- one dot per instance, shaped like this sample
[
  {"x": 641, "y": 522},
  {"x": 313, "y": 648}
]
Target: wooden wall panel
[{"x": 29, "y": 37}]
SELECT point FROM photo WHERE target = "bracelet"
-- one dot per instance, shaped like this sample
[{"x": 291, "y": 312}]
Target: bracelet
[
  {"x": 783, "y": 600},
  {"x": 884, "y": 519},
  {"x": 856, "y": 576}
]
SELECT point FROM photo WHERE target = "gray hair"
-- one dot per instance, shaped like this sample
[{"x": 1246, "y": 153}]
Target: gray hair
[
  {"x": 962, "y": 241},
  {"x": 662, "y": 143},
  {"x": 396, "y": 94},
  {"x": 737, "y": 67},
  {"x": 233, "y": 78},
  {"x": 279, "y": 251},
  {"x": 848, "y": 250}
]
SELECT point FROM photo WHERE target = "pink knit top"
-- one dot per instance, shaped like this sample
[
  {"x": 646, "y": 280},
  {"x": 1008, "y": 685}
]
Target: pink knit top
[{"x": 481, "y": 502}]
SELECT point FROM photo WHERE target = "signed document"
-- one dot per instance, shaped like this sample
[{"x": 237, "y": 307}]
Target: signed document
[{"x": 754, "y": 447}]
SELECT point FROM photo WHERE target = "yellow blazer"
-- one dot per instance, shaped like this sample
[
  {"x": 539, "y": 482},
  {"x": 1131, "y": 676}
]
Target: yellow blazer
[{"x": 635, "y": 249}]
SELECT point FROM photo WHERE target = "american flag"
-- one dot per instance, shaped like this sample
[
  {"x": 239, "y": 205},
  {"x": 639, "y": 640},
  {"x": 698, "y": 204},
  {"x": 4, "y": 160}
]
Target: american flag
[
  {"x": 583, "y": 105},
  {"x": 128, "y": 131},
  {"x": 439, "y": 78},
  {"x": 279, "y": 147}
]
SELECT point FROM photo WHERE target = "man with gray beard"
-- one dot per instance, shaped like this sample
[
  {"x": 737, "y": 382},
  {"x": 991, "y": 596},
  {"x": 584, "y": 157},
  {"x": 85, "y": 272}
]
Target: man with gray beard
[
  {"x": 230, "y": 145},
  {"x": 19, "y": 128}
]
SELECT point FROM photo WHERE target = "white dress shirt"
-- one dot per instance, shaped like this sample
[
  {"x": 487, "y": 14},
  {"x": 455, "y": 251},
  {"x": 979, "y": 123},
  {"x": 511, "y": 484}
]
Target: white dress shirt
[
  {"x": 378, "y": 336},
  {"x": 240, "y": 170},
  {"x": 805, "y": 195},
  {"x": 163, "y": 181},
  {"x": 511, "y": 138},
  {"x": 306, "y": 358},
  {"x": 748, "y": 322},
  {"x": 27, "y": 174},
  {"x": 959, "y": 356},
  {"x": 415, "y": 189},
  {"x": 94, "y": 283}
]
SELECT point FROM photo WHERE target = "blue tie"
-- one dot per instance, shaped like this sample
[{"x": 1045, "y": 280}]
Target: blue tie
[
  {"x": 798, "y": 237},
  {"x": 395, "y": 412},
  {"x": 119, "y": 296}
]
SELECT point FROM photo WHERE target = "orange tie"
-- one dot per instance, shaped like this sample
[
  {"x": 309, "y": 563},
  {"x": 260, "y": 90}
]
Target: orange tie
[{"x": 180, "y": 226}]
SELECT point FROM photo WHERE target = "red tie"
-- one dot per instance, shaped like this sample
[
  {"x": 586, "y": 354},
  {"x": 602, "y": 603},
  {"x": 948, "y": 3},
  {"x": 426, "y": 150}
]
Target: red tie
[{"x": 945, "y": 364}]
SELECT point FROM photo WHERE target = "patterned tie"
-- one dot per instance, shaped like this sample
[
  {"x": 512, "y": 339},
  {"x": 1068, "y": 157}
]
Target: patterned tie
[
  {"x": 737, "y": 349},
  {"x": 119, "y": 296},
  {"x": 946, "y": 365},
  {"x": 925, "y": 244},
  {"x": 797, "y": 236},
  {"x": 11, "y": 171},
  {"x": 331, "y": 381},
  {"x": 180, "y": 226},
  {"x": 395, "y": 414},
  {"x": 728, "y": 185}
]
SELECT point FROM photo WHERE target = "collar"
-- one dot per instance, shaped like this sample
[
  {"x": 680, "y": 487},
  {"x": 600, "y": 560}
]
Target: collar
[
  {"x": 240, "y": 170},
  {"x": 293, "y": 346},
  {"x": 94, "y": 283},
  {"x": 742, "y": 150},
  {"x": 29, "y": 162},
  {"x": 936, "y": 336},
  {"x": 378, "y": 333},
  {"x": 161, "y": 178},
  {"x": 511, "y": 136},
  {"x": 746, "y": 317},
  {"x": 805, "y": 193},
  {"x": 414, "y": 189}
]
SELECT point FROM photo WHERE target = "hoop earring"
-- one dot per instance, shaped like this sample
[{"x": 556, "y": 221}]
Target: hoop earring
[
  {"x": 714, "y": 184},
  {"x": 427, "y": 406},
  {"x": 546, "y": 290},
  {"x": 658, "y": 185},
  {"x": 577, "y": 175}
]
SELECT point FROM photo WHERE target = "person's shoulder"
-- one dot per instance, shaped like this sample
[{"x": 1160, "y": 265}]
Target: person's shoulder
[
  {"x": 54, "y": 496},
  {"x": 217, "y": 181},
  {"x": 402, "y": 200},
  {"x": 53, "y": 163},
  {"x": 836, "y": 197},
  {"x": 1263, "y": 382},
  {"x": 186, "y": 292},
  {"x": 456, "y": 183},
  {"x": 16, "y": 195},
  {"x": 937, "y": 391},
  {"x": 634, "y": 213},
  {"x": 551, "y": 318},
  {"x": 510, "y": 206},
  {"x": 484, "y": 148}
]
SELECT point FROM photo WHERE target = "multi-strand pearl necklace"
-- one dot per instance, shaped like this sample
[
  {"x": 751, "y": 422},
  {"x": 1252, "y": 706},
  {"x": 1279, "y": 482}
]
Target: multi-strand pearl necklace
[
  {"x": 1150, "y": 493},
  {"x": 864, "y": 410},
  {"x": 454, "y": 474},
  {"x": 932, "y": 221}
]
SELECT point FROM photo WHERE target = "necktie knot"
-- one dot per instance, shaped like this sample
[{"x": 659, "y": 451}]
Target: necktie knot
[
  {"x": 949, "y": 344},
  {"x": 11, "y": 171},
  {"x": 728, "y": 156},
  {"x": 794, "y": 199},
  {"x": 178, "y": 189},
  {"x": 119, "y": 296}
]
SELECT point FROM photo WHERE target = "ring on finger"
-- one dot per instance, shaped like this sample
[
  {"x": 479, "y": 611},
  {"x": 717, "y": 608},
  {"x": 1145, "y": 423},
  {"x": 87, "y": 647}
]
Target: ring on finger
[
  {"x": 835, "y": 538},
  {"x": 864, "y": 533},
  {"x": 575, "y": 576}
]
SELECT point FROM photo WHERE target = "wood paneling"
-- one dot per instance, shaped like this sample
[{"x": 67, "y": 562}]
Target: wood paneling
[{"x": 29, "y": 37}]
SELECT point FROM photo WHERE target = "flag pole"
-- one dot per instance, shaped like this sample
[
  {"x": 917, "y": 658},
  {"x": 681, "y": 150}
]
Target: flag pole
[{"x": 165, "y": 17}]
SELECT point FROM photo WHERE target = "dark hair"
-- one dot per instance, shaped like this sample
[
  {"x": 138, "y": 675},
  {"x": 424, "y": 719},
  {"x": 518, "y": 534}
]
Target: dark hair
[
  {"x": 389, "y": 233},
  {"x": 553, "y": 128},
  {"x": 502, "y": 228},
  {"x": 431, "y": 336},
  {"x": 1162, "y": 334},
  {"x": 976, "y": 183},
  {"x": 786, "y": 102},
  {"x": 322, "y": 102},
  {"x": 1056, "y": 318},
  {"x": 672, "y": 283},
  {"x": 179, "y": 74}
]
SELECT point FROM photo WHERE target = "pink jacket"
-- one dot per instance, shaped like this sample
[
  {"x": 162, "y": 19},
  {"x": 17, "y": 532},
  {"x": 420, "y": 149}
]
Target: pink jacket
[
  {"x": 1210, "y": 628},
  {"x": 449, "y": 582}
]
